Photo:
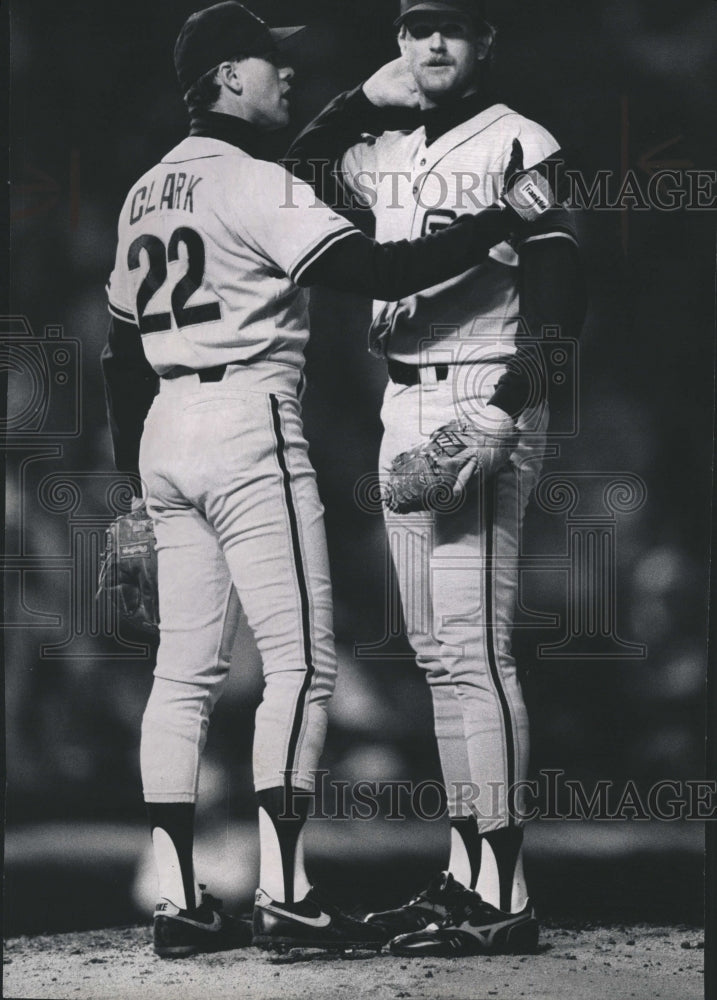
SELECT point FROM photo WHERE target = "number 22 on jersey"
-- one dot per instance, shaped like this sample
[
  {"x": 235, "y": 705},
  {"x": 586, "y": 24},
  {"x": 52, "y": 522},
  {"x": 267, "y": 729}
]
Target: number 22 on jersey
[{"x": 159, "y": 257}]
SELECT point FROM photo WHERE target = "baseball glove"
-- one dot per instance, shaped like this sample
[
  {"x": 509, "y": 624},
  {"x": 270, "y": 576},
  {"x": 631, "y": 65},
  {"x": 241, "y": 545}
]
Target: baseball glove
[
  {"x": 434, "y": 475},
  {"x": 128, "y": 572}
]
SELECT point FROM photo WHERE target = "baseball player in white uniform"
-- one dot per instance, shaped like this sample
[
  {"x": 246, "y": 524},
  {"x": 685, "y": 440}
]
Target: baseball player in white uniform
[
  {"x": 204, "y": 365},
  {"x": 464, "y": 349}
]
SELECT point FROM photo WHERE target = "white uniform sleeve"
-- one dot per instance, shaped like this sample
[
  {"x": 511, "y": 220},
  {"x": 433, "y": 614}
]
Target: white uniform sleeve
[
  {"x": 287, "y": 223},
  {"x": 536, "y": 141},
  {"x": 537, "y": 145},
  {"x": 358, "y": 169}
]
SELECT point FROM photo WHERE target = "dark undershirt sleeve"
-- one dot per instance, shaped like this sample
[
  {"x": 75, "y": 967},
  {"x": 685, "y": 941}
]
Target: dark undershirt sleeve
[
  {"x": 390, "y": 271},
  {"x": 552, "y": 295},
  {"x": 316, "y": 151},
  {"x": 130, "y": 386}
]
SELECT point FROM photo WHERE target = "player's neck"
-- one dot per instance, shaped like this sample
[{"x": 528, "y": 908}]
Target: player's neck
[
  {"x": 441, "y": 118},
  {"x": 229, "y": 128},
  {"x": 427, "y": 103}
]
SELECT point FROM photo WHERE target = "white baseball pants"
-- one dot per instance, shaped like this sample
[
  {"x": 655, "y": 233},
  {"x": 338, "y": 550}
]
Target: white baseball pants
[
  {"x": 458, "y": 579},
  {"x": 238, "y": 519}
]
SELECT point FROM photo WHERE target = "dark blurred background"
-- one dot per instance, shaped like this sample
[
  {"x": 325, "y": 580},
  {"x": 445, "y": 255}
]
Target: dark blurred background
[{"x": 93, "y": 105}]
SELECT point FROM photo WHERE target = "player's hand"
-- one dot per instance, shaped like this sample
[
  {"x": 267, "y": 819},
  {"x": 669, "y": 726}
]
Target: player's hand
[
  {"x": 434, "y": 475},
  {"x": 392, "y": 86},
  {"x": 494, "y": 452}
]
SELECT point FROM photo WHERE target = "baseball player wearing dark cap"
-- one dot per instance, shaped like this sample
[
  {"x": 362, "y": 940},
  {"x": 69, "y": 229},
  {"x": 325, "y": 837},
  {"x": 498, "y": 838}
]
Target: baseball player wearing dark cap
[
  {"x": 468, "y": 348},
  {"x": 216, "y": 247},
  {"x": 471, "y": 9}
]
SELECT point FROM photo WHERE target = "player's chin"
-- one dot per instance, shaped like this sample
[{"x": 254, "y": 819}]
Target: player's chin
[
  {"x": 439, "y": 83},
  {"x": 281, "y": 117},
  {"x": 284, "y": 111}
]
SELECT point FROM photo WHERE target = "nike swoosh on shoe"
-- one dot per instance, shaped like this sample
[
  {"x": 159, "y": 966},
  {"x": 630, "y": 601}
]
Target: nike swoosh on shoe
[
  {"x": 323, "y": 920},
  {"x": 216, "y": 924}
]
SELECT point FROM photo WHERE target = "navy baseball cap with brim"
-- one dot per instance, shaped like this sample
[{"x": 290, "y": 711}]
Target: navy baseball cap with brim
[
  {"x": 474, "y": 9},
  {"x": 224, "y": 31}
]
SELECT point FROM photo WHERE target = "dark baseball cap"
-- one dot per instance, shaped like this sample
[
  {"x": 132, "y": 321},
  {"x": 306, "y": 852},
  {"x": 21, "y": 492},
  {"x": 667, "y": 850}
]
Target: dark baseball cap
[
  {"x": 475, "y": 9},
  {"x": 211, "y": 36}
]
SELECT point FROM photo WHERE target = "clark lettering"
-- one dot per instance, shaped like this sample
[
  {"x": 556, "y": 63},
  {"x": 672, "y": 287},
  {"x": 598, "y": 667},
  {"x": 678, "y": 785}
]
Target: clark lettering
[{"x": 177, "y": 193}]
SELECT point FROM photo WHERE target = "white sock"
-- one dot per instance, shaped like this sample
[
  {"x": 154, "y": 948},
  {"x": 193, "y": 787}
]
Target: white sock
[
  {"x": 271, "y": 869},
  {"x": 519, "y": 899},
  {"x": 489, "y": 883},
  {"x": 301, "y": 881},
  {"x": 271, "y": 876},
  {"x": 169, "y": 873},
  {"x": 459, "y": 864}
]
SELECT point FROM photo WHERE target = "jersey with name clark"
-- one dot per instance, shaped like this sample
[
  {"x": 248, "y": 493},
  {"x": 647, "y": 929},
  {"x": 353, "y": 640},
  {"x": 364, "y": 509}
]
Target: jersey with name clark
[
  {"x": 211, "y": 243},
  {"x": 413, "y": 189}
]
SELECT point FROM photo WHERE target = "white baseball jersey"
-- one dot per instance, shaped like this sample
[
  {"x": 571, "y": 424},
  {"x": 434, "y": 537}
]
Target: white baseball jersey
[
  {"x": 211, "y": 243},
  {"x": 458, "y": 574},
  {"x": 413, "y": 189}
]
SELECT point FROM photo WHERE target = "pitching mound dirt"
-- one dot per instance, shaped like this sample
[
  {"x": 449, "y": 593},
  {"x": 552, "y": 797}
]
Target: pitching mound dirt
[{"x": 594, "y": 963}]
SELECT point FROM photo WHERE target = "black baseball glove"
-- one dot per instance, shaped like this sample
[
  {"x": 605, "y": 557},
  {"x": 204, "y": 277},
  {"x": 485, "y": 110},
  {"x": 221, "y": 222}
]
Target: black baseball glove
[{"x": 128, "y": 573}]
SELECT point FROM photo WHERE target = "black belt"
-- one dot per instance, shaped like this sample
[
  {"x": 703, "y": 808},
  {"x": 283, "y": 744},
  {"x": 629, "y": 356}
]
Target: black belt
[
  {"x": 411, "y": 374},
  {"x": 215, "y": 374}
]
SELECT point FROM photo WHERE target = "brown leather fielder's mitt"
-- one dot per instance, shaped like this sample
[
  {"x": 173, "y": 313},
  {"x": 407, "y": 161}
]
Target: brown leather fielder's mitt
[
  {"x": 128, "y": 573},
  {"x": 433, "y": 476}
]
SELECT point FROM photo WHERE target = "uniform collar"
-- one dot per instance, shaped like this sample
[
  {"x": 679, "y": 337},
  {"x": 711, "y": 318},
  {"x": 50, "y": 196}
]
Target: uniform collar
[
  {"x": 438, "y": 121},
  {"x": 229, "y": 128}
]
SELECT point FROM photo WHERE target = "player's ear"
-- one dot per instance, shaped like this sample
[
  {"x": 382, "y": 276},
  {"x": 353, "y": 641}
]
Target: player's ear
[
  {"x": 229, "y": 74},
  {"x": 402, "y": 39},
  {"x": 485, "y": 44}
]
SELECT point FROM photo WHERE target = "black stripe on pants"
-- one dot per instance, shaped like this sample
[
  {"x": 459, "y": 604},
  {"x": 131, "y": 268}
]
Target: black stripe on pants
[
  {"x": 303, "y": 592},
  {"x": 491, "y": 623}
]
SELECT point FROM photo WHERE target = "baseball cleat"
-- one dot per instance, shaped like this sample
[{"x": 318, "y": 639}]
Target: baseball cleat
[
  {"x": 428, "y": 907},
  {"x": 472, "y": 927},
  {"x": 179, "y": 933},
  {"x": 310, "y": 923}
]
